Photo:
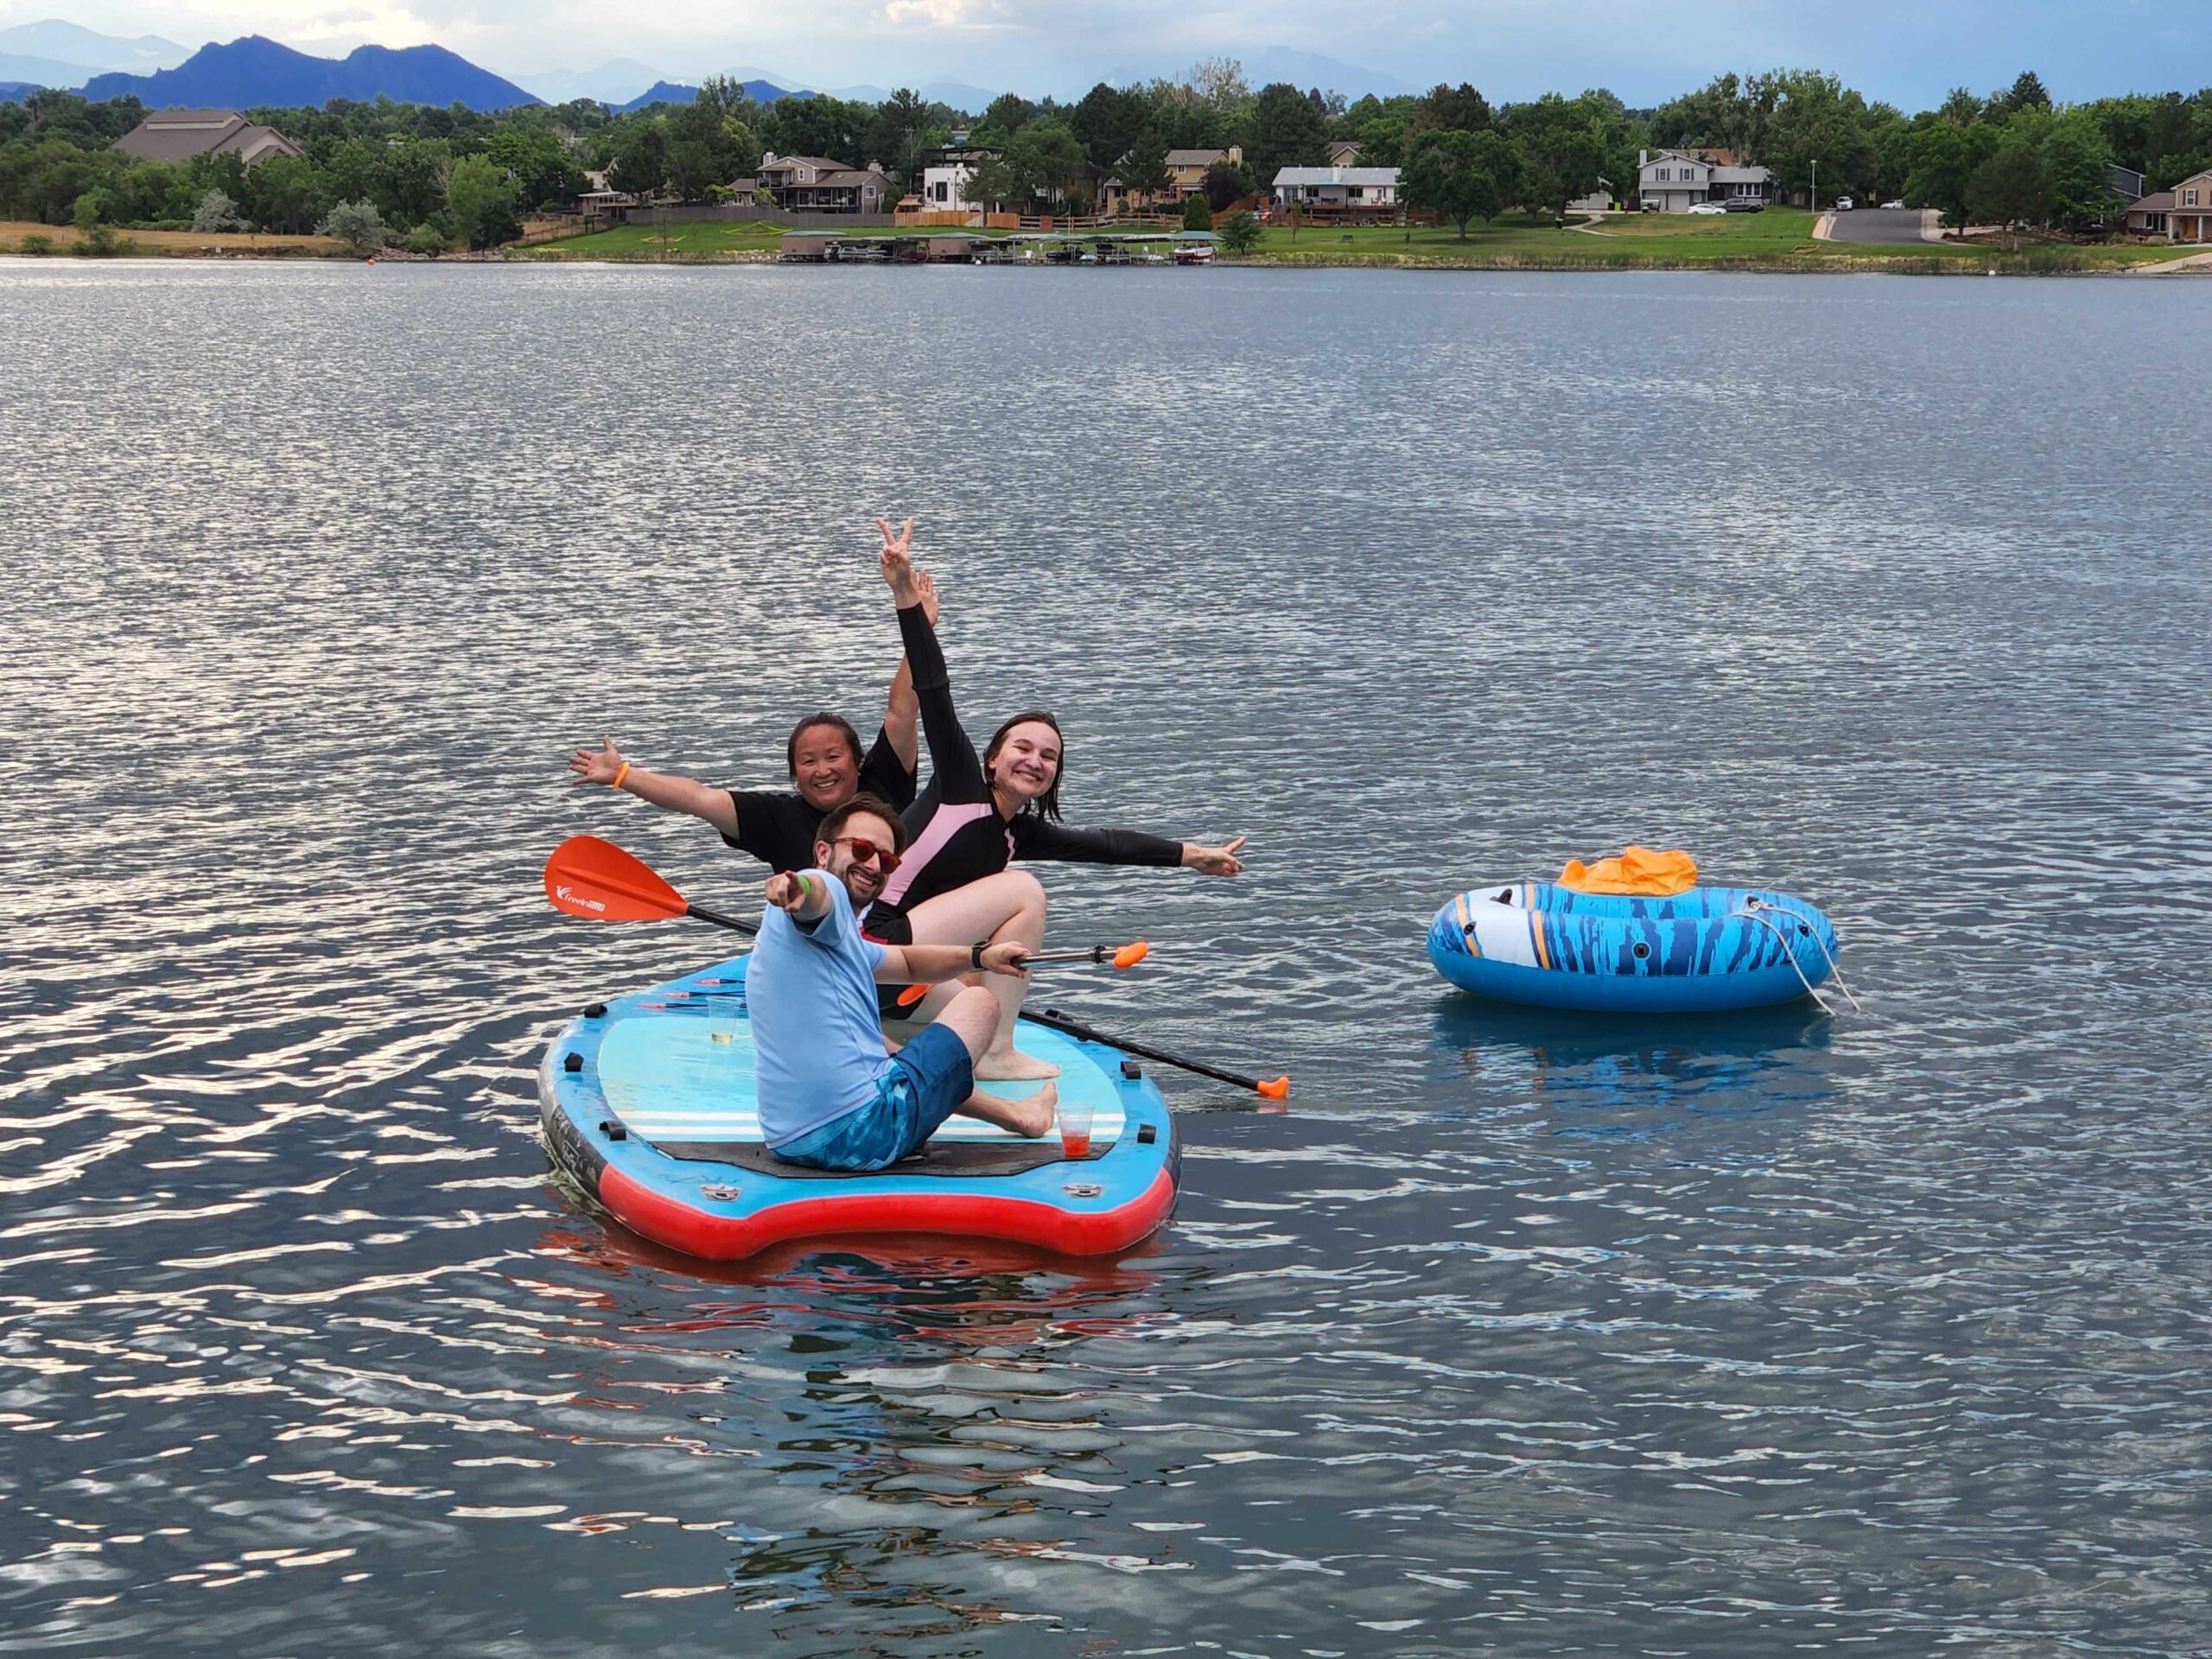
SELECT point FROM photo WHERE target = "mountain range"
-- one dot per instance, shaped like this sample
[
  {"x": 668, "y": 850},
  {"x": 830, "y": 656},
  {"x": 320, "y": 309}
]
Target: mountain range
[
  {"x": 676, "y": 92},
  {"x": 55, "y": 54},
  {"x": 255, "y": 70}
]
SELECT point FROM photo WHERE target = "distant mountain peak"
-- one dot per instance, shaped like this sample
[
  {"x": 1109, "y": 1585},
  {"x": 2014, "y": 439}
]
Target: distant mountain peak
[{"x": 254, "y": 69}]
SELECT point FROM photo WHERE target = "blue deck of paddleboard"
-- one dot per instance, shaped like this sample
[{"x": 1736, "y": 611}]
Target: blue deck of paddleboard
[{"x": 653, "y": 1059}]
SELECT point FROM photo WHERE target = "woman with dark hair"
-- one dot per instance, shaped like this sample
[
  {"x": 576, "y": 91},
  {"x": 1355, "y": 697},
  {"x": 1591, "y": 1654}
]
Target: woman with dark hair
[
  {"x": 952, "y": 886},
  {"x": 825, "y": 762}
]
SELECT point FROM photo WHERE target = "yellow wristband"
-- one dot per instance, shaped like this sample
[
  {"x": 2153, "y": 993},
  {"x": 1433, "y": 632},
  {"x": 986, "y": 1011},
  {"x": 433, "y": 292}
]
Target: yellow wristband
[{"x": 620, "y": 776}]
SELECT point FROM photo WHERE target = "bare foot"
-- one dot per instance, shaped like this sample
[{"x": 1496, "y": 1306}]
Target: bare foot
[
  {"x": 1012, "y": 1066},
  {"x": 1032, "y": 1115}
]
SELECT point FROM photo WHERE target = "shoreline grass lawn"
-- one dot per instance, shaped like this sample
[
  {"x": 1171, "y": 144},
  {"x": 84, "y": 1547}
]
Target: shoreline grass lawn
[
  {"x": 65, "y": 238},
  {"x": 1781, "y": 238},
  {"x": 703, "y": 239}
]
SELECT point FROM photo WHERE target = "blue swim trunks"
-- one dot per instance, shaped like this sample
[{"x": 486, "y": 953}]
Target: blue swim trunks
[{"x": 929, "y": 1080}]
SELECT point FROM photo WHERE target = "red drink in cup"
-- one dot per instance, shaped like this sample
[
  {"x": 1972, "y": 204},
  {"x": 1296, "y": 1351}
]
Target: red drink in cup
[{"x": 1075, "y": 1129}]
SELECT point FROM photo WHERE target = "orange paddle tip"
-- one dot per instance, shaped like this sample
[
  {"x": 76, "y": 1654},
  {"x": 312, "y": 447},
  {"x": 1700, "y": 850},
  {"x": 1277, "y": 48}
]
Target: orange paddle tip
[
  {"x": 1129, "y": 954},
  {"x": 912, "y": 994},
  {"x": 1274, "y": 1088}
]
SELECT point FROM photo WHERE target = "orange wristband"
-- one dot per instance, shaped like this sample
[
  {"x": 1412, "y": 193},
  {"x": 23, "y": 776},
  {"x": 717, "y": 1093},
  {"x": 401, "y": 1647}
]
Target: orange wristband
[{"x": 620, "y": 776}]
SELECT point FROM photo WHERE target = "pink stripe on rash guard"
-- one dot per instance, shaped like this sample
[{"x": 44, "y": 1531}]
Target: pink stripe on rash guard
[{"x": 944, "y": 823}]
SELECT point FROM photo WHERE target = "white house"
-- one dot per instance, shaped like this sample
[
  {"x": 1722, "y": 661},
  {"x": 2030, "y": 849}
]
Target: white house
[
  {"x": 944, "y": 177},
  {"x": 1675, "y": 181},
  {"x": 1337, "y": 188}
]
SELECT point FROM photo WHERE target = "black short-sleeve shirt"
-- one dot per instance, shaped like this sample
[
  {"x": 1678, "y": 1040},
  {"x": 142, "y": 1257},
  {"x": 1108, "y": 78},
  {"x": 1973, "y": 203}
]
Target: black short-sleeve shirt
[{"x": 777, "y": 826}]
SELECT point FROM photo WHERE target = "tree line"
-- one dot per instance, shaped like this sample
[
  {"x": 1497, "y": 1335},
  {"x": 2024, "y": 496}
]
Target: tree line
[{"x": 438, "y": 178}]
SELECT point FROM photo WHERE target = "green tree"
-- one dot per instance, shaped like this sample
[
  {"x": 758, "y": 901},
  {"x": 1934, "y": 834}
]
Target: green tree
[
  {"x": 2077, "y": 162},
  {"x": 1145, "y": 168},
  {"x": 1045, "y": 160},
  {"x": 641, "y": 166},
  {"x": 1460, "y": 176},
  {"x": 481, "y": 199},
  {"x": 1224, "y": 182},
  {"x": 1240, "y": 232},
  {"x": 356, "y": 226},
  {"x": 1816, "y": 119},
  {"x": 1286, "y": 130},
  {"x": 1196, "y": 216},
  {"x": 1940, "y": 168},
  {"x": 2025, "y": 93},
  {"x": 283, "y": 194},
  {"x": 829, "y": 127},
  {"x": 1006, "y": 114},
  {"x": 1451, "y": 109},
  {"x": 2010, "y": 188},
  {"x": 1109, "y": 122},
  {"x": 1563, "y": 155},
  {"x": 1960, "y": 107}
]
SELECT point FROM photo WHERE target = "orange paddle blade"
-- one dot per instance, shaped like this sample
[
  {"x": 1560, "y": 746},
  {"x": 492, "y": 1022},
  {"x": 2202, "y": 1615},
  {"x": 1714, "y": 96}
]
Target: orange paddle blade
[
  {"x": 1274, "y": 1088},
  {"x": 599, "y": 881},
  {"x": 913, "y": 994},
  {"x": 1129, "y": 954}
]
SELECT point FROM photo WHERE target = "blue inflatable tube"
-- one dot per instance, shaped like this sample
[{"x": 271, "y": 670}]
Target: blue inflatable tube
[
  {"x": 647, "y": 1103},
  {"x": 1703, "y": 951}
]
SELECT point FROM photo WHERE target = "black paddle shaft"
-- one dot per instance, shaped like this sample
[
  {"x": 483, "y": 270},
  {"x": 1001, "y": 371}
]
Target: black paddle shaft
[
  {"x": 1076, "y": 1028},
  {"x": 719, "y": 919}
]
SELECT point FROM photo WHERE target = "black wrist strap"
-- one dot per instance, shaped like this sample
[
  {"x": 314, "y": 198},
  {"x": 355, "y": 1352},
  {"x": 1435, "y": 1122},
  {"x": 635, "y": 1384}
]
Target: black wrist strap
[{"x": 975, "y": 952}]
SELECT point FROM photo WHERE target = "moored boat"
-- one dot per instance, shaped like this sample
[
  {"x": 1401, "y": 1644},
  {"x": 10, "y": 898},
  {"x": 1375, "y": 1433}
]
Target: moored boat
[{"x": 1702, "y": 950}]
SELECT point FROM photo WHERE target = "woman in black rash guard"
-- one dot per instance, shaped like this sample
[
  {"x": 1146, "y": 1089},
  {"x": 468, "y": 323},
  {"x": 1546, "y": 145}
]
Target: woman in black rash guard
[{"x": 952, "y": 886}]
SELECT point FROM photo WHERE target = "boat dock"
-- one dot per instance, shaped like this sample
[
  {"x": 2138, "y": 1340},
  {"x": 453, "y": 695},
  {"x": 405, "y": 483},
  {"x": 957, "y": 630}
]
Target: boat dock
[{"x": 1023, "y": 248}]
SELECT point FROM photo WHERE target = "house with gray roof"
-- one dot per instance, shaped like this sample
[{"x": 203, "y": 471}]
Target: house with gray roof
[
  {"x": 1338, "y": 192},
  {"x": 815, "y": 184},
  {"x": 181, "y": 135}
]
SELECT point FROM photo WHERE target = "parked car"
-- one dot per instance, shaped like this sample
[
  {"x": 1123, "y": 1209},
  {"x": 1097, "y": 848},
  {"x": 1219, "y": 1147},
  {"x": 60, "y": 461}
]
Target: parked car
[
  {"x": 1843, "y": 204},
  {"x": 1707, "y": 207},
  {"x": 1893, "y": 204},
  {"x": 1745, "y": 205}
]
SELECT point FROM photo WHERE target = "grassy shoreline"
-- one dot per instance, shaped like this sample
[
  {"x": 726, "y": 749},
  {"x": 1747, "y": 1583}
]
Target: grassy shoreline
[{"x": 1779, "y": 240}]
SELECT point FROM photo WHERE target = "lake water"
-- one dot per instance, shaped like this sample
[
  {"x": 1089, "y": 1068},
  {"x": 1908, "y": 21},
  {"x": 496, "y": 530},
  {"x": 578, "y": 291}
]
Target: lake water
[{"x": 1518, "y": 1334}]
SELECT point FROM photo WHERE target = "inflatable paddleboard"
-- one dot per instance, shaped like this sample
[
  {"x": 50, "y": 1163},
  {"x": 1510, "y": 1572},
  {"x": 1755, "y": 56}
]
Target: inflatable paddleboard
[
  {"x": 648, "y": 1105},
  {"x": 1706, "y": 951}
]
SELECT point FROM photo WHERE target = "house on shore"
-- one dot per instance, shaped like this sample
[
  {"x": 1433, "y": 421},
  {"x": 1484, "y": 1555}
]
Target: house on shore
[
  {"x": 1348, "y": 194},
  {"x": 182, "y": 134},
  {"x": 1675, "y": 180},
  {"x": 2191, "y": 217},
  {"x": 815, "y": 184},
  {"x": 945, "y": 176},
  {"x": 1186, "y": 169}
]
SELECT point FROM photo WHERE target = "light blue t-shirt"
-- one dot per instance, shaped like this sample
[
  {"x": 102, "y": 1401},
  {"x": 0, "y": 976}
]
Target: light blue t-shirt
[{"x": 817, "y": 1038}]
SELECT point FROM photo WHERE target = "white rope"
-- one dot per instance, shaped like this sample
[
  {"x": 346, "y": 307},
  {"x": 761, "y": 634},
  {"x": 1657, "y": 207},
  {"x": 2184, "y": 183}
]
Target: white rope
[{"x": 1753, "y": 906}]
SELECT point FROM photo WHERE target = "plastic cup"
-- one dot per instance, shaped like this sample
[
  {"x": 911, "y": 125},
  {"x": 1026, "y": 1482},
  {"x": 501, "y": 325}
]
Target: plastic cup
[{"x": 1075, "y": 1129}]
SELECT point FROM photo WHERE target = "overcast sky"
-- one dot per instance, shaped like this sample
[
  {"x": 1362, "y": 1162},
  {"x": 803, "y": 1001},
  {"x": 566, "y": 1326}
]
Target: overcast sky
[{"x": 1908, "y": 52}]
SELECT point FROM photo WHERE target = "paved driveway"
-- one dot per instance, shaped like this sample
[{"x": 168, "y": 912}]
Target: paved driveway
[{"x": 1891, "y": 225}]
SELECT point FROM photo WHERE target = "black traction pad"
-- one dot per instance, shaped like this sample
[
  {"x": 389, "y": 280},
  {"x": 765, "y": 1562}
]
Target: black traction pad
[{"x": 956, "y": 1158}]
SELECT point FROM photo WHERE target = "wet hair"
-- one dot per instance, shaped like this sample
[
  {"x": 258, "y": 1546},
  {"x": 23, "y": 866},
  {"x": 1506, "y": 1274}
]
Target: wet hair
[
  {"x": 821, "y": 718},
  {"x": 1048, "y": 805},
  {"x": 832, "y": 823}
]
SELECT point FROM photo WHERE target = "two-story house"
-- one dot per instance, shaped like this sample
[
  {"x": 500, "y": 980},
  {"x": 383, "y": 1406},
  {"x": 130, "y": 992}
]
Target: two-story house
[
  {"x": 2190, "y": 219},
  {"x": 815, "y": 184},
  {"x": 1675, "y": 180},
  {"x": 945, "y": 176},
  {"x": 1186, "y": 169}
]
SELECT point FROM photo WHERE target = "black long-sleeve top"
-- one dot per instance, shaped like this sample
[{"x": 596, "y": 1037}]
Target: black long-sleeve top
[{"x": 956, "y": 834}]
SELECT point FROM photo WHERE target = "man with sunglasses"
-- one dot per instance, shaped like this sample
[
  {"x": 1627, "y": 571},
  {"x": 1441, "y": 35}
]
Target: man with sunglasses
[{"x": 830, "y": 1097}]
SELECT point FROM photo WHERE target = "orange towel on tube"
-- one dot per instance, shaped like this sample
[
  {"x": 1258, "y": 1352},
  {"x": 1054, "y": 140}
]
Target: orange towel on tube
[{"x": 1639, "y": 871}]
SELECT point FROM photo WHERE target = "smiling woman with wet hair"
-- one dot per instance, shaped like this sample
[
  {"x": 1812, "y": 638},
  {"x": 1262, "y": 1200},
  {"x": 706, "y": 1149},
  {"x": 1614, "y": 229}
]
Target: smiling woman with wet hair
[{"x": 981, "y": 813}]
